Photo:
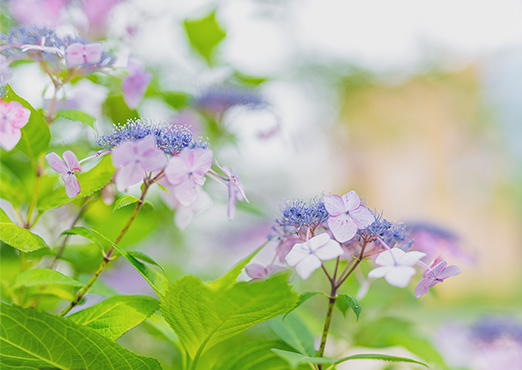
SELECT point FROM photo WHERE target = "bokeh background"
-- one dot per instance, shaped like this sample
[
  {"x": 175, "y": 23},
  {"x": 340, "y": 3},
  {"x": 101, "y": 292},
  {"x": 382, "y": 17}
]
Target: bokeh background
[{"x": 416, "y": 105}]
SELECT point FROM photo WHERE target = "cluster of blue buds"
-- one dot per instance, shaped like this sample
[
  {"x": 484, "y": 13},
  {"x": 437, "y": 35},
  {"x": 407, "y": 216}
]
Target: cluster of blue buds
[
  {"x": 392, "y": 233},
  {"x": 298, "y": 215}
]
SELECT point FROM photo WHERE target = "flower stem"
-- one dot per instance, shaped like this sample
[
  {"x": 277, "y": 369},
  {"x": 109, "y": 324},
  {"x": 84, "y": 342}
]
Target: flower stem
[
  {"x": 107, "y": 258},
  {"x": 327, "y": 321}
]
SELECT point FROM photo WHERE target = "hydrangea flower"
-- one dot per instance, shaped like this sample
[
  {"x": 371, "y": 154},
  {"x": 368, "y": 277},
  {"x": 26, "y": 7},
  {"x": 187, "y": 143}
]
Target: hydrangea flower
[
  {"x": 67, "y": 168},
  {"x": 186, "y": 171},
  {"x": 235, "y": 189},
  {"x": 434, "y": 276},
  {"x": 135, "y": 84},
  {"x": 256, "y": 271},
  {"x": 135, "y": 159},
  {"x": 396, "y": 266},
  {"x": 80, "y": 54},
  {"x": 309, "y": 256},
  {"x": 347, "y": 215},
  {"x": 217, "y": 99},
  {"x": 297, "y": 215},
  {"x": 13, "y": 116}
]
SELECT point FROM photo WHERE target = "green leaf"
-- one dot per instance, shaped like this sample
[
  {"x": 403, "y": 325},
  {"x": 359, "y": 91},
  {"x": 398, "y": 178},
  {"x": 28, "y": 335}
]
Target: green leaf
[
  {"x": 44, "y": 276},
  {"x": 115, "y": 316},
  {"x": 175, "y": 99},
  {"x": 10, "y": 186},
  {"x": 296, "y": 359},
  {"x": 230, "y": 277},
  {"x": 116, "y": 109},
  {"x": 253, "y": 355},
  {"x": 31, "y": 339},
  {"x": 345, "y": 301},
  {"x": 203, "y": 317},
  {"x": 78, "y": 116},
  {"x": 303, "y": 297},
  {"x": 128, "y": 200},
  {"x": 90, "y": 182},
  {"x": 17, "y": 237},
  {"x": 380, "y": 357},
  {"x": 294, "y": 333},
  {"x": 146, "y": 258},
  {"x": 204, "y": 34},
  {"x": 35, "y": 134},
  {"x": 88, "y": 234}
]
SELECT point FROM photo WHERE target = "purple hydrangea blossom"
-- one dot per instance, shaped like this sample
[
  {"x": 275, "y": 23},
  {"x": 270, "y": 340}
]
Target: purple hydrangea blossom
[
  {"x": 13, "y": 116},
  {"x": 67, "y": 168},
  {"x": 135, "y": 84},
  {"x": 434, "y": 276},
  {"x": 78, "y": 54},
  {"x": 396, "y": 266}
]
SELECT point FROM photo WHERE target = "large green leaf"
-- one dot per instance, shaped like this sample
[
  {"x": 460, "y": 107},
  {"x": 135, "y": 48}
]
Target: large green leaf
[
  {"x": 78, "y": 116},
  {"x": 35, "y": 134},
  {"x": 10, "y": 186},
  {"x": 44, "y": 276},
  {"x": 115, "y": 316},
  {"x": 254, "y": 355},
  {"x": 17, "y": 237},
  {"x": 203, "y": 317},
  {"x": 32, "y": 339},
  {"x": 204, "y": 34},
  {"x": 90, "y": 182},
  {"x": 294, "y": 332}
]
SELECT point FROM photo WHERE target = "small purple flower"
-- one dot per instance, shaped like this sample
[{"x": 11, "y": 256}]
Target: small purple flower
[
  {"x": 186, "y": 171},
  {"x": 136, "y": 83},
  {"x": 309, "y": 256},
  {"x": 13, "y": 116},
  {"x": 434, "y": 276},
  {"x": 135, "y": 159},
  {"x": 396, "y": 266},
  {"x": 67, "y": 168},
  {"x": 256, "y": 271},
  {"x": 79, "y": 54},
  {"x": 235, "y": 189},
  {"x": 346, "y": 215}
]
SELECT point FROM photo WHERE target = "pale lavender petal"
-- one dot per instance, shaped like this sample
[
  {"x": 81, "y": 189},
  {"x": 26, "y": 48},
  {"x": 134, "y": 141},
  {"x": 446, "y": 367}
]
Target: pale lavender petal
[
  {"x": 256, "y": 271},
  {"x": 72, "y": 161},
  {"x": 129, "y": 175},
  {"x": 123, "y": 154},
  {"x": 379, "y": 272},
  {"x": 232, "y": 201},
  {"x": 334, "y": 205},
  {"x": 56, "y": 163},
  {"x": 178, "y": 168},
  {"x": 198, "y": 179},
  {"x": 400, "y": 276},
  {"x": 271, "y": 269},
  {"x": 202, "y": 202},
  {"x": 318, "y": 241},
  {"x": 183, "y": 217},
  {"x": 297, "y": 254},
  {"x": 307, "y": 266},
  {"x": 389, "y": 257},
  {"x": 202, "y": 160},
  {"x": 449, "y": 272},
  {"x": 17, "y": 115},
  {"x": 93, "y": 53},
  {"x": 362, "y": 217},
  {"x": 411, "y": 258},
  {"x": 74, "y": 55},
  {"x": 331, "y": 250},
  {"x": 351, "y": 200},
  {"x": 342, "y": 227},
  {"x": 135, "y": 85},
  {"x": 10, "y": 138},
  {"x": 423, "y": 287},
  {"x": 72, "y": 186},
  {"x": 150, "y": 157},
  {"x": 186, "y": 192}
]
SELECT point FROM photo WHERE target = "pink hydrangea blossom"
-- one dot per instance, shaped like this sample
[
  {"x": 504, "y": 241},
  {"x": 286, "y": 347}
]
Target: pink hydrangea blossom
[
  {"x": 434, "y": 276},
  {"x": 135, "y": 159},
  {"x": 347, "y": 215},
  {"x": 396, "y": 266},
  {"x": 66, "y": 168},
  {"x": 186, "y": 171},
  {"x": 256, "y": 271},
  {"x": 135, "y": 84},
  {"x": 13, "y": 116},
  {"x": 80, "y": 54},
  {"x": 235, "y": 189},
  {"x": 309, "y": 256}
]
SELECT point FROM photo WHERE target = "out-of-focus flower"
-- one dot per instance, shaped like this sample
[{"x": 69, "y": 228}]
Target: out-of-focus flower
[
  {"x": 186, "y": 171},
  {"x": 309, "y": 256},
  {"x": 67, "y": 168},
  {"x": 37, "y": 12},
  {"x": 13, "y": 116},
  {"x": 135, "y": 159},
  {"x": 97, "y": 13},
  {"x": 434, "y": 276},
  {"x": 256, "y": 271},
  {"x": 396, "y": 266},
  {"x": 80, "y": 54},
  {"x": 217, "y": 99},
  {"x": 235, "y": 189},
  {"x": 135, "y": 84},
  {"x": 346, "y": 215}
]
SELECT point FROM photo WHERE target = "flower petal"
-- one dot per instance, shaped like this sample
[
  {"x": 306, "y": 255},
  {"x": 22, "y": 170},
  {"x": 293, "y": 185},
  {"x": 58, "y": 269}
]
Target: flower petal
[
  {"x": 151, "y": 158},
  {"x": 17, "y": 115},
  {"x": 202, "y": 161},
  {"x": 351, "y": 200},
  {"x": 307, "y": 266},
  {"x": 74, "y": 55},
  {"x": 410, "y": 258},
  {"x": 129, "y": 175},
  {"x": 318, "y": 241},
  {"x": 379, "y": 272},
  {"x": 10, "y": 137},
  {"x": 342, "y": 227},
  {"x": 329, "y": 251},
  {"x": 334, "y": 205},
  {"x": 389, "y": 257},
  {"x": 255, "y": 271},
  {"x": 56, "y": 163},
  {"x": 449, "y": 272},
  {"x": 72, "y": 186},
  {"x": 298, "y": 252},
  {"x": 423, "y": 287},
  {"x": 362, "y": 217},
  {"x": 400, "y": 276},
  {"x": 72, "y": 161},
  {"x": 123, "y": 154},
  {"x": 93, "y": 53},
  {"x": 183, "y": 217},
  {"x": 186, "y": 192}
]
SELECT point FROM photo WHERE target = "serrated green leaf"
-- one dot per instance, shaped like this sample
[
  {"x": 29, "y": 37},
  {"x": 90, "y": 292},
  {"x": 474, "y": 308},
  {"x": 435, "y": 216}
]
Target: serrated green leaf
[
  {"x": 128, "y": 200},
  {"x": 35, "y": 134},
  {"x": 254, "y": 355},
  {"x": 203, "y": 317},
  {"x": 90, "y": 182},
  {"x": 380, "y": 357},
  {"x": 115, "y": 316},
  {"x": 31, "y": 339},
  {"x": 345, "y": 301},
  {"x": 17, "y": 237},
  {"x": 294, "y": 332},
  {"x": 295, "y": 359},
  {"x": 204, "y": 34},
  {"x": 78, "y": 116},
  {"x": 44, "y": 276}
]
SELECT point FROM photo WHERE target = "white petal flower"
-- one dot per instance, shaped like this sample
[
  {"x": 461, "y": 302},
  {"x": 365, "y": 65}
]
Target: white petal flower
[{"x": 396, "y": 266}]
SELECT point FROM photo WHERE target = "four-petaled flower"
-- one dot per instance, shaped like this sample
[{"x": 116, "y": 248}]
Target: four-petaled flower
[
  {"x": 309, "y": 256},
  {"x": 235, "y": 189},
  {"x": 67, "y": 168},
  {"x": 135, "y": 159},
  {"x": 188, "y": 170},
  {"x": 346, "y": 215},
  {"x": 13, "y": 116},
  {"x": 79, "y": 54},
  {"x": 256, "y": 271},
  {"x": 396, "y": 266},
  {"x": 434, "y": 276},
  {"x": 135, "y": 84}
]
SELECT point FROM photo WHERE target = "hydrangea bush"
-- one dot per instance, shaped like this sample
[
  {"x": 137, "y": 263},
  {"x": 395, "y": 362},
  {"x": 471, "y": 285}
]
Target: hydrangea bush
[{"x": 47, "y": 322}]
